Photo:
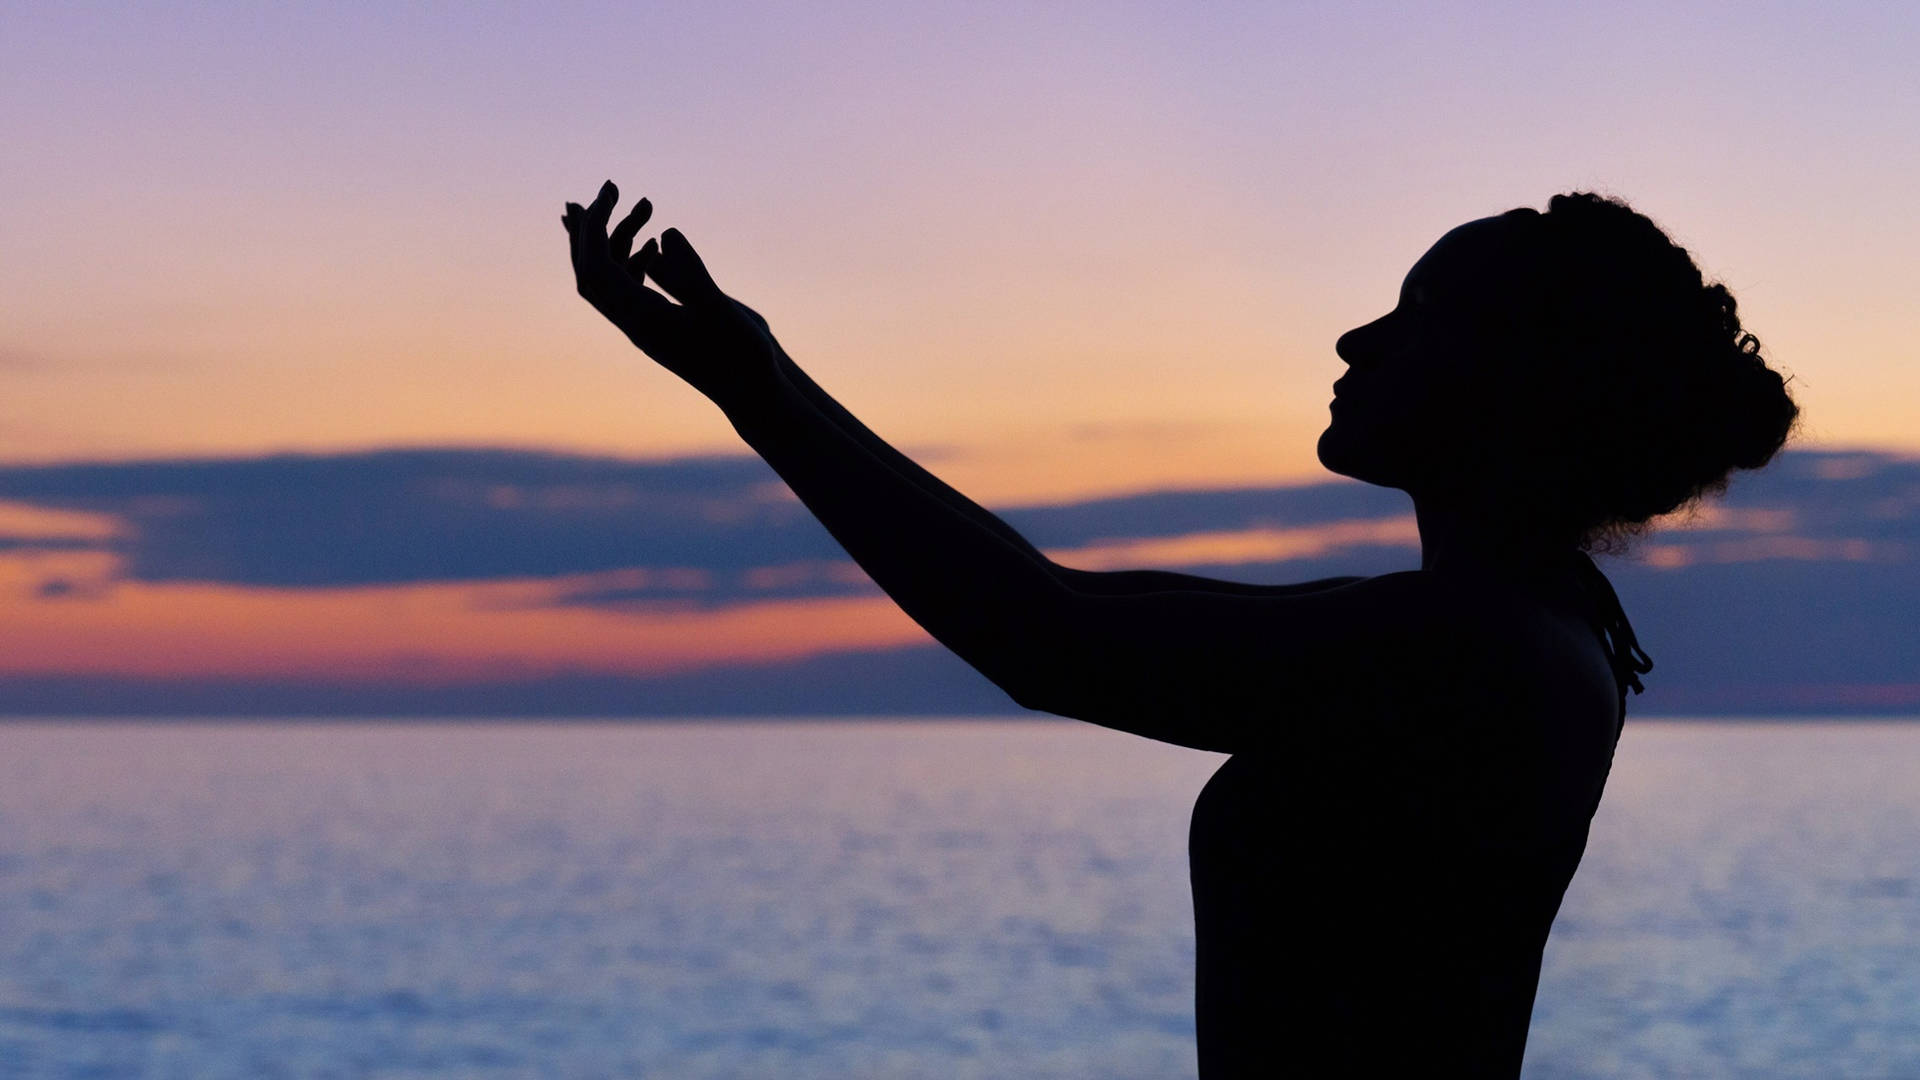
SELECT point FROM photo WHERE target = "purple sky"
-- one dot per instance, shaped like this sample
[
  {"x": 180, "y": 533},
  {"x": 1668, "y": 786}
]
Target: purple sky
[{"x": 1033, "y": 236}]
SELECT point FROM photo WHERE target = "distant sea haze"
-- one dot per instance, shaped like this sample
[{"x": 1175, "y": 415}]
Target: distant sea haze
[{"x": 1792, "y": 595}]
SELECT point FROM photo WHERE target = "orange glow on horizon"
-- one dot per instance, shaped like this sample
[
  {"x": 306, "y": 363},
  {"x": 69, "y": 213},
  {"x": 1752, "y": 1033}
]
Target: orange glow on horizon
[
  {"x": 413, "y": 633},
  {"x": 1239, "y": 546},
  {"x": 24, "y": 521}
]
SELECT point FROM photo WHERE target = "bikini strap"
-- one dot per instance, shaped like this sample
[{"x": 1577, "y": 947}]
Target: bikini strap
[{"x": 1623, "y": 650}]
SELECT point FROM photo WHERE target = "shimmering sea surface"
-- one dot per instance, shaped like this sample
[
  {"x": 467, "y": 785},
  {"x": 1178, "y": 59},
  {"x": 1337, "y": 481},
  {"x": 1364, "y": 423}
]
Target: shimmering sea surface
[{"x": 841, "y": 900}]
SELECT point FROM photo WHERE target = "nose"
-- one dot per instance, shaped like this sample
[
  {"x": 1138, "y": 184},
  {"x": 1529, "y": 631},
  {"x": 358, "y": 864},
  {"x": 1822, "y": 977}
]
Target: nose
[
  {"x": 1352, "y": 346},
  {"x": 1343, "y": 348}
]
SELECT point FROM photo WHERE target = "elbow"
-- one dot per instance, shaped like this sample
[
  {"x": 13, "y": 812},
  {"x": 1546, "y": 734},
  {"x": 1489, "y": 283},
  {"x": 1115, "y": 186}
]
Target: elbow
[
  {"x": 1029, "y": 649},
  {"x": 1055, "y": 686},
  {"x": 1021, "y": 682},
  {"x": 1028, "y": 698},
  {"x": 1023, "y": 672}
]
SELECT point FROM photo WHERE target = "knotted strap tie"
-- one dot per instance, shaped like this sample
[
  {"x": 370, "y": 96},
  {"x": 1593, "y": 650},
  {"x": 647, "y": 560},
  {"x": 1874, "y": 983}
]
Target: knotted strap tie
[{"x": 1628, "y": 659}]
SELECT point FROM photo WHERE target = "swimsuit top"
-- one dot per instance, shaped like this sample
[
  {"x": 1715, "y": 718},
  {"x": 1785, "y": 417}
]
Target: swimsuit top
[{"x": 1623, "y": 650}]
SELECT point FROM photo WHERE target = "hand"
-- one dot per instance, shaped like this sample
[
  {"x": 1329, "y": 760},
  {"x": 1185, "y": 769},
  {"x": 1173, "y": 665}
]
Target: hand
[{"x": 718, "y": 345}]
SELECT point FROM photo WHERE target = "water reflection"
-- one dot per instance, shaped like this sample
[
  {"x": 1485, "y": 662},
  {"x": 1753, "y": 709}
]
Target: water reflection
[{"x": 961, "y": 899}]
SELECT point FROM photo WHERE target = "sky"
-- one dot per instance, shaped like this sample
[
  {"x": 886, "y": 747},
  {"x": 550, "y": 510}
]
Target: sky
[{"x": 1060, "y": 252}]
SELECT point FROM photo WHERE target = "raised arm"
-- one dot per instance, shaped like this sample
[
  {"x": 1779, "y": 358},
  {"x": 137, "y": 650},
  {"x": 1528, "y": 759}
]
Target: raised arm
[
  {"x": 1182, "y": 665},
  {"x": 1104, "y": 583},
  {"x": 908, "y": 469},
  {"x": 1099, "y": 582},
  {"x": 977, "y": 589}
]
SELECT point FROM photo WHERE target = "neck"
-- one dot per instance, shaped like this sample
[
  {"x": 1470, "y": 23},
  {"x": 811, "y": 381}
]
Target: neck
[{"x": 1456, "y": 536}]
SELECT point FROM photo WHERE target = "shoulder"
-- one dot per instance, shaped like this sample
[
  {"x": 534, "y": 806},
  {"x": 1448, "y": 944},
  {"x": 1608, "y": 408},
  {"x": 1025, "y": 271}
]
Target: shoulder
[
  {"x": 1502, "y": 656},
  {"x": 1414, "y": 615},
  {"x": 1545, "y": 707}
]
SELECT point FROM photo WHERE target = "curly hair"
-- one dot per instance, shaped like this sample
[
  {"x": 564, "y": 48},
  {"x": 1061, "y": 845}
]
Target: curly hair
[{"x": 1638, "y": 391}]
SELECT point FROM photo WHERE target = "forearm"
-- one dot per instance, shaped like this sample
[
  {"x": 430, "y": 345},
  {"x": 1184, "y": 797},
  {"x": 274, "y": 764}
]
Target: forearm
[
  {"x": 900, "y": 463},
  {"x": 993, "y": 600},
  {"x": 1097, "y": 582}
]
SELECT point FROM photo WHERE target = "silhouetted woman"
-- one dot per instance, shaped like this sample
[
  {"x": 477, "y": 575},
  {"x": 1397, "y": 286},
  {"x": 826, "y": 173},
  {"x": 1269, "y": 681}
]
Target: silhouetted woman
[{"x": 1416, "y": 756}]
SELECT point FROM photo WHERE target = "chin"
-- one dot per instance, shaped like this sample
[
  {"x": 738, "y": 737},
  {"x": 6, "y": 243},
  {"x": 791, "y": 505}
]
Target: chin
[
  {"x": 1348, "y": 453},
  {"x": 1328, "y": 451}
]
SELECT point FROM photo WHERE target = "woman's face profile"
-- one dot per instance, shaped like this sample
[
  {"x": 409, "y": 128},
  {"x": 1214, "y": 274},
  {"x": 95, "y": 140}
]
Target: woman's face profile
[{"x": 1401, "y": 401}]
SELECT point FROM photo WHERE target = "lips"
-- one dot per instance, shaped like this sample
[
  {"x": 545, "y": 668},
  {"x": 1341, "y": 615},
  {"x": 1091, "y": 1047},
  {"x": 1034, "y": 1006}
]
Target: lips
[{"x": 1343, "y": 393}]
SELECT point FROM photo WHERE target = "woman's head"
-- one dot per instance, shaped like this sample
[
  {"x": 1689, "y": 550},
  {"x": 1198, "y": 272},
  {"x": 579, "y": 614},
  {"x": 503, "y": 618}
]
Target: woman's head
[{"x": 1569, "y": 372}]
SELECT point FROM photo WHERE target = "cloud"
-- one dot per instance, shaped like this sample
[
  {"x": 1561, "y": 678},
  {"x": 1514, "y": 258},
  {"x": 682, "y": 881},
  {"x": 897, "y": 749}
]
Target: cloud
[
  {"x": 709, "y": 529},
  {"x": 404, "y": 516},
  {"x": 722, "y": 530},
  {"x": 69, "y": 588},
  {"x": 12, "y": 544},
  {"x": 1815, "y": 494},
  {"x": 1792, "y": 593},
  {"x": 1183, "y": 513}
]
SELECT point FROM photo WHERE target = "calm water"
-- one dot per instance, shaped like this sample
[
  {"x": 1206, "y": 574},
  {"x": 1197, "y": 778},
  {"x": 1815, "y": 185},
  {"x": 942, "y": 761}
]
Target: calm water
[{"x": 980, "y": 899}]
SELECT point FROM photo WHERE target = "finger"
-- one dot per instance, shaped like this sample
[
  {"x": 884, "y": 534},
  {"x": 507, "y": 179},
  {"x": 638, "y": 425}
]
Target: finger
[
  {"x": 593, "y": 269},
  {"x": 622, "y": 239},
  {"x": 643, "y": 259},
  {"x": 680, "y": 271},
  {"x": 571, "y": 219},
  {"x": 601, "y": 208},
  {"x": 574, "y": 219}
]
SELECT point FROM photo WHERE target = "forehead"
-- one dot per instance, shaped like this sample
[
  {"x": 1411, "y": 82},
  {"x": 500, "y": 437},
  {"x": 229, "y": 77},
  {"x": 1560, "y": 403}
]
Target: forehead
[{"x": 1483, "y": 250}]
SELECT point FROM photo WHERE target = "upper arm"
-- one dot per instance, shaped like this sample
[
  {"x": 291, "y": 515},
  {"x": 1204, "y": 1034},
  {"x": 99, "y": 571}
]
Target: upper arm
[
  {"x": 1131, "y": 582},
  {"x": 1231, "y": 671}
]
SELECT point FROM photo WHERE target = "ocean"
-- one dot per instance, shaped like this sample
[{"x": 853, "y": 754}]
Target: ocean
[{"x": 890, "y": 899}]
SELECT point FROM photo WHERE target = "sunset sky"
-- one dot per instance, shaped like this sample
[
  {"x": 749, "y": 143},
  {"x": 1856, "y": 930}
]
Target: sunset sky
[{"x": 1063, "y": 250}]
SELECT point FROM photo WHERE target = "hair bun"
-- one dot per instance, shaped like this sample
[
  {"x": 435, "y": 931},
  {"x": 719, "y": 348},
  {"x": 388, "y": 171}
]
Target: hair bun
[
  {"x": 1760, "y": 414},
  {"x": 1654, "y": 391}
]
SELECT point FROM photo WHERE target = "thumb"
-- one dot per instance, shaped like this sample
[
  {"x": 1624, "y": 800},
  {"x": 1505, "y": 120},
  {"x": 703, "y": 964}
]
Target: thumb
[{"x": 680, "y": 272}]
